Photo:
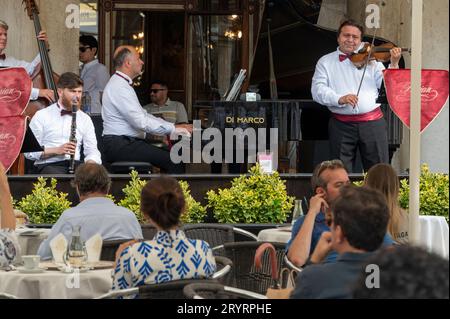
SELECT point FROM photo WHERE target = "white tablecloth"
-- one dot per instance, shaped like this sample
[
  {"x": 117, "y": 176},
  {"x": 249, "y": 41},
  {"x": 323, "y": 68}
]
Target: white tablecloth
[
  {"x": 434, "y": 234},
  {"x": 53, "y": 284}
]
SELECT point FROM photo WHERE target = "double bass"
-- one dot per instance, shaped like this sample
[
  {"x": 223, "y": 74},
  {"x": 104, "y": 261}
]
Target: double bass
[{"x": 43, "y": 78}]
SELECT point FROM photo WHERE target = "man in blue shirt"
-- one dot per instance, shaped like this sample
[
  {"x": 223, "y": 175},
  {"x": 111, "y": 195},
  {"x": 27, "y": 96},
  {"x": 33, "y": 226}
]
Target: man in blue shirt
[
  {"x": 358, "y": 223},
  {"x": 328, "y": 177},
  {"x": 96, "y": 214}
]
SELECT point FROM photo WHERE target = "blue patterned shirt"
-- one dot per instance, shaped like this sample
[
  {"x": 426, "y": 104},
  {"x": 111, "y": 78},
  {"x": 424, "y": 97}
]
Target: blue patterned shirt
[{"x": 169, "y": 256}]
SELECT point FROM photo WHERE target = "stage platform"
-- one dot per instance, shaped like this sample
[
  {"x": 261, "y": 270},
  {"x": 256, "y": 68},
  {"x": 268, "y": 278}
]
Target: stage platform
[{"x": 297, "y": 185}]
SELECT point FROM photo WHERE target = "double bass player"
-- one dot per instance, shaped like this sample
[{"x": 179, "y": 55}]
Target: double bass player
[{"x": 30, "y": 67}]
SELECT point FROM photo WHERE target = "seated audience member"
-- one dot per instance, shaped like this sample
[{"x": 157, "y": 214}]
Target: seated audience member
[
  {"x": 170, "y": 255},
  {"x": 162, "y": 106},
  {"x": 383, "y": 177},
  {"x": 406, "y": 272},
  {"x": 328, "y": 177},
  {"x": 95, "y": 213},
  {"x": 52, "y": 127},
  {"x": 358, "y": 223},
  {"x": 9, "y": 246}
]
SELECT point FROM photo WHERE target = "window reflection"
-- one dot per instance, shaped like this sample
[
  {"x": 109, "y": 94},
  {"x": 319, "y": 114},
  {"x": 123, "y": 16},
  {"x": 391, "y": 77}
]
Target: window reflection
[{"x": 216, "y": 44}]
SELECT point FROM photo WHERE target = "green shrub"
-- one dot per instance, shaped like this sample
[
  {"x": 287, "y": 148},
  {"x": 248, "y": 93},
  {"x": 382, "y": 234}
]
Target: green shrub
[
  {"x": 253, "y": 198},
  {"x": 45, "y": 204},
  {"x": 194, "y": 213},
  {"x": 132, "y": 199},
  {"x": 433, "y": 194}
]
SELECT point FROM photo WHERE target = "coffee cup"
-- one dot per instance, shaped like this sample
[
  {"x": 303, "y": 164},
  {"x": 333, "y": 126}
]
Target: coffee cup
[{"x": 31, "y": 261}]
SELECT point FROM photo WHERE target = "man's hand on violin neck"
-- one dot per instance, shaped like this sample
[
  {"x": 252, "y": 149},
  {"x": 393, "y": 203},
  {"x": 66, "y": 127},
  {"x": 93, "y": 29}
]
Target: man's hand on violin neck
[
  {"x": 47, "y": 94},
  {"x": 396, "y": 54},
  {"x": 351, "y": 99}
]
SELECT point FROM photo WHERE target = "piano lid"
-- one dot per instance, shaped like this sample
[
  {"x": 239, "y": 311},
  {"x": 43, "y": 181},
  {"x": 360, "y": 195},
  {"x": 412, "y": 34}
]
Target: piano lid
[{"x": 297, "y": 44}]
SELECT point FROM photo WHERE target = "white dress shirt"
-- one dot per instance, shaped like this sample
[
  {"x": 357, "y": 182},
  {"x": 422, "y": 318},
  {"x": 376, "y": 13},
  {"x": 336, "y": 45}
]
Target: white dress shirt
[
  {"x": 28, "y": 66},
  {"x": 122, "y": 113},
  {"x": 95, "y": 77},
  {"x": 334, "y": 79},
  {"x": 52, "y": 130}
]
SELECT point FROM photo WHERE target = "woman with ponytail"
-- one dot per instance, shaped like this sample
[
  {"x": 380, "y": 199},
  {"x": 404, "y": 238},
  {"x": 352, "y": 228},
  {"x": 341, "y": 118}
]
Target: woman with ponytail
[{"x": 170, "y": 255}]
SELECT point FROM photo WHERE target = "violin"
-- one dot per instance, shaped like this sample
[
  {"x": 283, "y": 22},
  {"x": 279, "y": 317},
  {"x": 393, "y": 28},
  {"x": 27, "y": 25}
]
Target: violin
[{"x": 379, "y": 53}]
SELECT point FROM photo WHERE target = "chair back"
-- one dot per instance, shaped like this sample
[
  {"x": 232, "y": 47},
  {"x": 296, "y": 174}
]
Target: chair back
[
  {"x": 217, "y": 291},
  {"x": 148, "y": 231},
  {"x": 168, "y": 290},
  {"x": 244, "y": 274},
  {"x": 109, "y": 248},
  {"x": 216, "y": 234}
]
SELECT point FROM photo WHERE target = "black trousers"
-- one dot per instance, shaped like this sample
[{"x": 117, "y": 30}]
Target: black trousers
[
  {"x": 124, "y": 148},
  {"x": 369, "y": 137},
  {"x": 61, "y": 167}
]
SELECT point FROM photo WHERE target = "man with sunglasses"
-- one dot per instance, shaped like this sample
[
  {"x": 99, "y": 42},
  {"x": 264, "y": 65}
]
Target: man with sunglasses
[
  {"x": 94, "y": 74},
  {"x": 30, "y": 67},
  {"x": 165, "y": 108},
  {"x": 162, "y": 106},
  {"x": 327, "y": 179}
]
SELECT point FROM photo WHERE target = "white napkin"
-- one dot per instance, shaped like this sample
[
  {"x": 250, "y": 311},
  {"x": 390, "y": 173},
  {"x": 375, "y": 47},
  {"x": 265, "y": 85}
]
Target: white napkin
[
  {"x": 94, "y": 248},
  {"x": 58, "y": 245}
]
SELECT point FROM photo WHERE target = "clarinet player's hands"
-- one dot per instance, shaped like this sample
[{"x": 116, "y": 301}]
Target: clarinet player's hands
[{"x": 66, "y": 148}]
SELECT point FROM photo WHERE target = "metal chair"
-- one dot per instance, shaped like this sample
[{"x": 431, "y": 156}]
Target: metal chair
[
  {"x": 216, "y": 234},
  {"x": 4, "y": 295},
  {"x": 244, "y": 274},
  {"x": 148, "y": 231},
  {"x": 218, "y": 291},
  {"x": 170, "y": 289},
  {"x": 110, "y": 247}
]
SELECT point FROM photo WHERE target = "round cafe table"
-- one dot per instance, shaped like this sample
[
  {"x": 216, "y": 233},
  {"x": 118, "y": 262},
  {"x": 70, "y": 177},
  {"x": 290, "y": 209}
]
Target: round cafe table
[{"x": 54, "y": 284}]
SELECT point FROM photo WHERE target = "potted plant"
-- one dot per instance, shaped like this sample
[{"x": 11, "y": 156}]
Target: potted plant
[
  {"x": 254, "y": 198},
  {"x": 45, "y": 204},
  {"x": 433, "y": 193},
  {"x": 194, "y": 212}
]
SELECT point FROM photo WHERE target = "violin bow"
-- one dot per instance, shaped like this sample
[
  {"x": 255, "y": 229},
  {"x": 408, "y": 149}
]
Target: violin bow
[{"x": 367, "y": 62}]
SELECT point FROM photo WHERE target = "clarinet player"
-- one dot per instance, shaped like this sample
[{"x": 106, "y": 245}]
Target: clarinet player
[{"x": 60, "y": 139}]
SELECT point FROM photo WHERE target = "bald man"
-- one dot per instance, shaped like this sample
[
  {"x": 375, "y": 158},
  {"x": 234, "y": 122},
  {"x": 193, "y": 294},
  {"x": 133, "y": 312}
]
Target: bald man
[{"x": 126, "y": 123}]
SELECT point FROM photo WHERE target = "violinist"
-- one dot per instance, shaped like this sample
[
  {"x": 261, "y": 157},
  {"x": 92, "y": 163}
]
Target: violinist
[
  {"x": 357, "y": 121},
  {"x": 30, "y": 67}
]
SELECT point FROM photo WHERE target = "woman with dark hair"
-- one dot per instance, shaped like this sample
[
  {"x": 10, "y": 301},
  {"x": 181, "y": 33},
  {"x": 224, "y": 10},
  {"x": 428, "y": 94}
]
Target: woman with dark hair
[
  {"x": 170, "y": 255},
  {"x": 383, "y": 178}
]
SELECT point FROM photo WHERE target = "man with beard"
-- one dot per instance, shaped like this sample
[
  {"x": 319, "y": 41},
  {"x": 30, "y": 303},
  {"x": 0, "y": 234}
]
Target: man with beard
[{"x": 52, "y": 128}]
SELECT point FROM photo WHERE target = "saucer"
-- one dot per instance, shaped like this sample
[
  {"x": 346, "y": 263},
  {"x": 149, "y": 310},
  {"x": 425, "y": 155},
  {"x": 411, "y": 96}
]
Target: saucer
[
  {"x": 72, "y": 270},
  {"x": 24, "y": 270}
]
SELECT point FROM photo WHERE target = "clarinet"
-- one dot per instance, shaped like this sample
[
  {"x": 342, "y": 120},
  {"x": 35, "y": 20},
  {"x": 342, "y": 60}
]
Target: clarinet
[{"x": 73, "y": 135}]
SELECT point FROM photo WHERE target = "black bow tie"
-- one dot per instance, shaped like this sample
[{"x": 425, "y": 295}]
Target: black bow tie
[
  {"x": 65, "y": 112},
  {"x": 3, "y": 56}
]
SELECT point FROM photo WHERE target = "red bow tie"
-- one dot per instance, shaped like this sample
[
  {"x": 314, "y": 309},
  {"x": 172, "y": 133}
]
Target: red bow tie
[
  {"x": 342, "y": 57},
  {"x": 65, "y": 112},
  {"x": 3, "y": 56}
]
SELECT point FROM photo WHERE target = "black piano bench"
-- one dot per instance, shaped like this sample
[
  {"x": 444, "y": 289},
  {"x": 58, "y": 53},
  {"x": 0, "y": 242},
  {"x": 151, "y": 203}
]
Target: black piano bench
[{"x": 127, "y": 167}]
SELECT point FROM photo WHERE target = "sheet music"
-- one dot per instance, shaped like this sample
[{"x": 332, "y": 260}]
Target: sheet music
[{"x": 236, "y": 87}]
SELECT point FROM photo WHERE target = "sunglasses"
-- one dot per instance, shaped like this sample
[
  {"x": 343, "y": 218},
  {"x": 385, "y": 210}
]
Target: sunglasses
[
  {"x": 156, "y": 90},
  {"x": 83, "y": 49}
]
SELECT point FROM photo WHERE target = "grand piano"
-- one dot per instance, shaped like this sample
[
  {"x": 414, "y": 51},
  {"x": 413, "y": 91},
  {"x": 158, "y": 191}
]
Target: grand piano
[{"x": 297, "y": 43}]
